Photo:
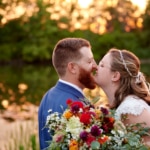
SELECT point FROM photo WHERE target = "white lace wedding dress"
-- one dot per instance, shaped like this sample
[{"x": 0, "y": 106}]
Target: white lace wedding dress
[{"x": 131, "y": 105}]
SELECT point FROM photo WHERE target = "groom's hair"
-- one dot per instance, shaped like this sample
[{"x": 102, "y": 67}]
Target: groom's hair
[{"x": 67, "y": 50}]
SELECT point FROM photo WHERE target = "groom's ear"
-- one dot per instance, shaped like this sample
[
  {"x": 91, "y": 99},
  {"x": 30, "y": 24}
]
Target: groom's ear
[
  {"x": 72, "y": 67},
  {"x": 116, "y": 76}
]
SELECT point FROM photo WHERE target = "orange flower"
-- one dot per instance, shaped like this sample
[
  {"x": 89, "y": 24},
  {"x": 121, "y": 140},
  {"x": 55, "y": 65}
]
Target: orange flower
[
  {"x": 67, "y": 114},
  {"x": 73, "y": 145},
  {"x": 111, "y": 119},
  {"x": 103, "y": 139}
]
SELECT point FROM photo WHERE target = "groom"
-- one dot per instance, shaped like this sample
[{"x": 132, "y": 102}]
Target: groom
[{"x": 74, "y": 63}]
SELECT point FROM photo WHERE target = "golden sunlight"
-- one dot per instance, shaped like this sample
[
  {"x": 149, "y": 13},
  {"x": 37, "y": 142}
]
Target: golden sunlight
[
  {"x": 22, "y": 87},
  {"x": 5, "y": 103},
  {"x": 140, "y": 3},
  {"x": 84, "y": 3}
]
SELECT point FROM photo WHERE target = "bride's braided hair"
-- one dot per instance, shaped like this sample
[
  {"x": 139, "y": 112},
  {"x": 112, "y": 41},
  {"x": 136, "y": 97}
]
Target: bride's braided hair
[{"x": 132, "y": 81}]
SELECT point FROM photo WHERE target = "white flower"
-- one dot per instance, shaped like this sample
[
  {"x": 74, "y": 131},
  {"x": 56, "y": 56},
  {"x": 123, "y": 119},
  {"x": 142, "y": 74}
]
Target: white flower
[
  {"x": 88, "y": 129},
  {"x": 80, "y": 110},
  {"x": 118, "y": 137},
  {"x": 121, "y": 133},
  {"x": 50, "y": 110},
  {"x": 92, "y": 110},
  {"x": 53, "y": 120},
  {"x": 74, "y": 126}
]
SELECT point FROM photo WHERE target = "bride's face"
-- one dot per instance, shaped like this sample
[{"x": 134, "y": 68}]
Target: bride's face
[{"x": 103, "y": 74}]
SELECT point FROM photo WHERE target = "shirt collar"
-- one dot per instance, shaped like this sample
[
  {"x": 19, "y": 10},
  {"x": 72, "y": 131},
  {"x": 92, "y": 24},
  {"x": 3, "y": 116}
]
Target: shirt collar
[{"x": 72, "y": 85}]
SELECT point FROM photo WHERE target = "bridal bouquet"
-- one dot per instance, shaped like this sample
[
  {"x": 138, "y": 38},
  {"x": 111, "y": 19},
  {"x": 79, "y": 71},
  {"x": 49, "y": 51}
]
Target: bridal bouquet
[{"x": 83, "y": 127}]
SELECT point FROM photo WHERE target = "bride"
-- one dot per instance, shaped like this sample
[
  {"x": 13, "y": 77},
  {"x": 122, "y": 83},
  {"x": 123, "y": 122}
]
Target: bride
[{"x": 119, "y": 76}]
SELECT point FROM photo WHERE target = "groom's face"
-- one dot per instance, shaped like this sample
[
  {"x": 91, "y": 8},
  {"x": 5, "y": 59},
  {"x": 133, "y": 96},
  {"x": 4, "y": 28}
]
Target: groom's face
[{"x": 86, "y": 67}]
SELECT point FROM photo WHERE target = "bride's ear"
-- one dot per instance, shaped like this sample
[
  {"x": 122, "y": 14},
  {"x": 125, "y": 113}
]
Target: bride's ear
[{"x": 116, "y": 76}]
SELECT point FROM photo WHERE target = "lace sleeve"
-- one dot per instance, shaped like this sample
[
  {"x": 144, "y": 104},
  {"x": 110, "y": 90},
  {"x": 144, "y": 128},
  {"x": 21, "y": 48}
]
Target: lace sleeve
[{"x": 131, "y": 105}]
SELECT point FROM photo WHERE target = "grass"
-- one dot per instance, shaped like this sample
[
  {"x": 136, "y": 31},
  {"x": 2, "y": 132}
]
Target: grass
[{"x": 24, "y": 136}]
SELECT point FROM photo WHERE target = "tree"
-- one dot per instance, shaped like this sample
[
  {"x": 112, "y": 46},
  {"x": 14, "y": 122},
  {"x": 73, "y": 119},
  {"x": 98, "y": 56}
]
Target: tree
[{"x": 146, "y": 25}]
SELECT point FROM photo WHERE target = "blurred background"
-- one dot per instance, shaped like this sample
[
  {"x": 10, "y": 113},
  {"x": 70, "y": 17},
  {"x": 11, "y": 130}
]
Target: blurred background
[{"x": 29, "y": 29}]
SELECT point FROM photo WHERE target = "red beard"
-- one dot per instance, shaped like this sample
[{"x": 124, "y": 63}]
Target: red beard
[{"x": 86, "y": 79}]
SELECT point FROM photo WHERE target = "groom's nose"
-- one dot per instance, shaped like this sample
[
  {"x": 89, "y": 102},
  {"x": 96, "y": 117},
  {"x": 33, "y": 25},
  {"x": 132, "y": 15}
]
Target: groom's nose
[{"x": 94, "y": 65}]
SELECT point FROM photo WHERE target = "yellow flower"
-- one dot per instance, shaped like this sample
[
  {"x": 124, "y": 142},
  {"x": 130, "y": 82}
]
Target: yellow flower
[
  {"x": 67, "y": 114},
  {"x": 73, "y": 145},
  {"x": 98, "y": 113}
]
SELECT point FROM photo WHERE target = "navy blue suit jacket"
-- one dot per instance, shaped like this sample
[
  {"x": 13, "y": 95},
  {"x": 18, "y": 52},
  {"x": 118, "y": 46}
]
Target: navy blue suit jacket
[{"x": 54, "y": 99}]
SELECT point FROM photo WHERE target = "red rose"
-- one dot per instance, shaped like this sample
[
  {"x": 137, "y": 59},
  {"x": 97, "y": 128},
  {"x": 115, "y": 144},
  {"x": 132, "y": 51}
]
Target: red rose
[
  {"x": 107, "y": 124},
  {"x": 75, "y": 107},
  {"x": 69, "y": 101},
  {"x": 90, "y": 139},
  {"x": 79, "y": 104},
  {"x": 85, "y": 118}
]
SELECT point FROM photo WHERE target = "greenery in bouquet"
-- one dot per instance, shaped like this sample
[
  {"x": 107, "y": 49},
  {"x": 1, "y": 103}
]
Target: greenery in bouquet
[{"x": 83, "y": 127}]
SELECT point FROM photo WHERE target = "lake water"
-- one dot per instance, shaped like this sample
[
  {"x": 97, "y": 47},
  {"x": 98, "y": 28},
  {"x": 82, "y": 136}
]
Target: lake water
[
  {"x": 28, "y": 83},
  {"x": 25, "y": 83}
]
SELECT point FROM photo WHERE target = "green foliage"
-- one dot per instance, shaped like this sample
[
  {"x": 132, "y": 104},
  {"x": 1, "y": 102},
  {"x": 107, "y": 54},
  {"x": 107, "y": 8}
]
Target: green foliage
[
  {"x": 33, "y": 142},
  {"x": 116, "y": 39},
  {"x": 95, "y": 145},
  {"x": 33, "y": 39},
  {"x": 21, "y": 147},
  {"x": 145, "y": 34},
  {"x": 132, "y": 138},
  {"x": 146, "y": 17}
]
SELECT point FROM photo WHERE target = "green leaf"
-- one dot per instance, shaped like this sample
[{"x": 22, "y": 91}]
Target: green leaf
[
  {"x": 95, "y": 100},
  {"x": 95, "y": 145},
  {"x": 143, "y": 148}
]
